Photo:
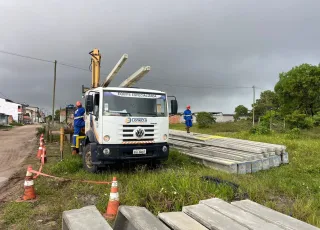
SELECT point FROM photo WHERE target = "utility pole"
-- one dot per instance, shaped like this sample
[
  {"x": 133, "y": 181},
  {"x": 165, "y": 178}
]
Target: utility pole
[
  {"x": 53, "y": 98},
  {"x": 54, "y": 89},
  {"x": 254, "y": 101}
]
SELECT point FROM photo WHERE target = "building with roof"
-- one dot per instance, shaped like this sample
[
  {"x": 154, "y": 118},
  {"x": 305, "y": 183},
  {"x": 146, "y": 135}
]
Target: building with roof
[{"x": 9, "y": 107}]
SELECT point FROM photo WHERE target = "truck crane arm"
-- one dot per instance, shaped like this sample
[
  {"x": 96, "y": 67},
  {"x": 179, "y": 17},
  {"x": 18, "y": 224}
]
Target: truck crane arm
[
  {"x": 115, "y": 70},
  {"x": 130, "y": 81}
]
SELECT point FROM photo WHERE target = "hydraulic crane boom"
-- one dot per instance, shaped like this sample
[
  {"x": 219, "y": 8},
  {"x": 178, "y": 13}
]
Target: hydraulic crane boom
[
  {"x": 115, "y": 70},
  {"x": 130, "y": 81},
  {"x": 95, "y": 64}
]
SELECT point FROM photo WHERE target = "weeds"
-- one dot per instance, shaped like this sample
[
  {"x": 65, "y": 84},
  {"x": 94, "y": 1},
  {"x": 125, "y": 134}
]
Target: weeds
[
  {"x": 40, "y": 130},
  {"x": 227, "y": 127},
  {"x": 293, "y": 189},
  {"x": 14, "y": 123}
]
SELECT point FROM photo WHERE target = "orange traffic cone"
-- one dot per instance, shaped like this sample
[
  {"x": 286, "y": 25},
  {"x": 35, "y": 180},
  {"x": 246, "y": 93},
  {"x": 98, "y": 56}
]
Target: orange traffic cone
[
  {"x": 113, "y": 204},
  {"x": 41, "y": 138},
  {"x": 43, "y": 157},
  {"x": 29, "y": 191},
  {"x": 40, "y": 150}
]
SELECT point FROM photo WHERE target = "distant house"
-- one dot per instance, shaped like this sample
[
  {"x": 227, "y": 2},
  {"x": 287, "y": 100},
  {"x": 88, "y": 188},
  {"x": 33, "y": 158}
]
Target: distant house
[
  {"x": 33, "y": 113},
  {"x": 11, "y": 108},
  {"x": 220, "y": 117}
]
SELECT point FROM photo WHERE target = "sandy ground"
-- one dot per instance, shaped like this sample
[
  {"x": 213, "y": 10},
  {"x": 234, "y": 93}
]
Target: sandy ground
[{"x": 15, "y": 146}]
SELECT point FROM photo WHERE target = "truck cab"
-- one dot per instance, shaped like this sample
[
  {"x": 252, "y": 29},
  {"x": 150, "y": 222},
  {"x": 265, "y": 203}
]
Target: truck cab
[{"x": 125, "y": 125}]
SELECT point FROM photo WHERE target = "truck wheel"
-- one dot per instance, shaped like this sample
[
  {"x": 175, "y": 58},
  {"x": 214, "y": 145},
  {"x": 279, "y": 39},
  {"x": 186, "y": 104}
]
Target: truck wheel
[{"x": 87, "y": 160}]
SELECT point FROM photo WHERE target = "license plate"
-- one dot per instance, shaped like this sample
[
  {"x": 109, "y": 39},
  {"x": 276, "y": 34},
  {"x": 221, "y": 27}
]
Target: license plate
[{"x": 139, "y": 151}]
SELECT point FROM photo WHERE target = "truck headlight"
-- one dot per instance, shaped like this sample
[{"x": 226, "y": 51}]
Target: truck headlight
[
  {"x": 164, "y": 149},
  {"x": 106, "y": 138},
  {"x": 106, "y": 151},
  {"x": 165, "y": 137}
]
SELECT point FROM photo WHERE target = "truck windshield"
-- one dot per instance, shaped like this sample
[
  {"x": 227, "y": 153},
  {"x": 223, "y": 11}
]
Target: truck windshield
[{"x": 137, "y": 104}]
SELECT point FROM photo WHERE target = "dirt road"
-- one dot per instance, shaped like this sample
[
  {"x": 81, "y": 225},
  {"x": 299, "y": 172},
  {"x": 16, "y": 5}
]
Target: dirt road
[{"x": 15, "y": 146}]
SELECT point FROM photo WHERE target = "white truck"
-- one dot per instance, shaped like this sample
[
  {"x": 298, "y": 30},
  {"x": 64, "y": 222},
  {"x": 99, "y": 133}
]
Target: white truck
[{"x": 123, "y": 124}]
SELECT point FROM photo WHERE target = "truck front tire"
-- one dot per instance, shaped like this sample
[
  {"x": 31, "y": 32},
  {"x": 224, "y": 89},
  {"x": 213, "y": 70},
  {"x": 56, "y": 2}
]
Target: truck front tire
[{"x": 87, "y": 160}]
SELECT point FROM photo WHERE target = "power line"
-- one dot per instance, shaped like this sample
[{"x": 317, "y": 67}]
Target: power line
[
  {"x": 24, "y": 56},
  {"x": 76, "y": 67},
  {"x": 151, "y": 82},
  {"x": 3, "y": 95},
  {"x": 73, "y": 66},
  {"x": 44, "y": 60}
]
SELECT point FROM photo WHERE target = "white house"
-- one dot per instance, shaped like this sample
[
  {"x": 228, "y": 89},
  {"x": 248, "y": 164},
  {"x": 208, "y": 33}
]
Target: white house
[
  {"x": 11, "y": 108},
  {"x": 33, "y": 113},
  {"x": 220, "y": 117}
]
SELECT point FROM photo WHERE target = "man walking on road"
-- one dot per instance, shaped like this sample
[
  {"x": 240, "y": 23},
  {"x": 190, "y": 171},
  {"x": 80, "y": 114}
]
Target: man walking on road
[
  {"x": 78, "y": 124},
  {"x": 188, "y": 118}
]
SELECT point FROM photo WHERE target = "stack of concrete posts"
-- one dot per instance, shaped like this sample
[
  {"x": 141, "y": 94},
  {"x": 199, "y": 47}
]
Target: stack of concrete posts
[
  {"x": 207, "y": 214},
  {"x": 229, "y": 154}
]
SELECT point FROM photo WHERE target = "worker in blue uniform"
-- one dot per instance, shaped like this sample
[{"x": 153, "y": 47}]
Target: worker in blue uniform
[
  {"x": 78, "y": 123},
  {"x": 187, "y": 115}
]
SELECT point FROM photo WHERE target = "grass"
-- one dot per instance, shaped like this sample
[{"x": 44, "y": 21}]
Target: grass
[
  {"x": 176, "y": 184},
  {"x": 5, "y": 127},
  {"x": 293, "y": 189},
  {"x": 228, "y": 127}
]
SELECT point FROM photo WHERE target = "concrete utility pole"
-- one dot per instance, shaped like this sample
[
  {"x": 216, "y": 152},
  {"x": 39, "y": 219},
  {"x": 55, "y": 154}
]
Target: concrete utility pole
[
  {"x": 54, "y": 89},
  {"x": 254, "y": 101}
]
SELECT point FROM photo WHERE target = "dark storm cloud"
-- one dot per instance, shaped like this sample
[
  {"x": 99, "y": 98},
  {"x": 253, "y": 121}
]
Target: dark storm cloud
[{"x": 220, "y": 45}]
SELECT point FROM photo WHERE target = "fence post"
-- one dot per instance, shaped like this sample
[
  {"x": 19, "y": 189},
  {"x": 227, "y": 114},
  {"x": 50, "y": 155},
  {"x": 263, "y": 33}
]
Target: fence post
[
  {"x": 47, "y": 131},
  {"x": 61, "y": 142}
]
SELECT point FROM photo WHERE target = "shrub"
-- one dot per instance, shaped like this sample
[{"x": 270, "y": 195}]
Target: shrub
[
  {"x": 308, "y": 122},
  {"x": 298, "y": 120},
  {"x": 316, "y": 119},
  {"x": 40, "y": 130},
  {"x": 14, "y": 123},
  {"x": 260, "y": 129},
  {"x": 293, "y": 133},
  {"x": 205, "y": 120}
]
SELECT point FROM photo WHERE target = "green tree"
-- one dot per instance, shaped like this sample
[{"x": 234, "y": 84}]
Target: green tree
[
  {"x": 49, "y": 118},
  {"x": 299, "y": 120},
  {"x": 299, "y": 90},
  {"x": 240, "y": 110},
  {"x": 268, "y": 101},
  {"x": 205, "y": 120},
  {"x": 57, "y": 115}
]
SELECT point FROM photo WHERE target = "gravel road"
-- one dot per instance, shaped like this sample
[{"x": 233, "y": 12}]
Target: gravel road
[{"x": 15, "y": 146}]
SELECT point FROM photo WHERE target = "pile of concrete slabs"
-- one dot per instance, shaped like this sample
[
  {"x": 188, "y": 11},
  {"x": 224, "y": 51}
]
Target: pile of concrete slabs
[{"x": 229, "y": 154}]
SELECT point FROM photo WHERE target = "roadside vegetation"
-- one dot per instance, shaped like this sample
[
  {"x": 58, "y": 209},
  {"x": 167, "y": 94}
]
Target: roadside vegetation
[
  {"x": 5, "y": 127},
  {"x": 293, "y": 189}
]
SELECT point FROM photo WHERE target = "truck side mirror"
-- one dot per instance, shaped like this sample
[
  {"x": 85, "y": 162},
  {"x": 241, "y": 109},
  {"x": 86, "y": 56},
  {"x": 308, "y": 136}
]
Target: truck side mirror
[
  {"x": 174, "y": 107},
  {"x": 89, "y": 103}
]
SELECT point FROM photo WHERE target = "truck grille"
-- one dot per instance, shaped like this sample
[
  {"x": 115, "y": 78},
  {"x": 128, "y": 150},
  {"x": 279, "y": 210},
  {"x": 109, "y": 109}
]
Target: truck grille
[{"x": 129, "y": 135}]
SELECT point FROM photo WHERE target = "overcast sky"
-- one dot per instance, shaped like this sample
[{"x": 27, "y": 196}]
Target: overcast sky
[{"x": 201, "y": 51}]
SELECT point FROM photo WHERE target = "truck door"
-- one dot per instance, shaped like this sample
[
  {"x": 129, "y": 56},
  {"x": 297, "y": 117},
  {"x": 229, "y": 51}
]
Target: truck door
[{"x": 96, "y": 110}]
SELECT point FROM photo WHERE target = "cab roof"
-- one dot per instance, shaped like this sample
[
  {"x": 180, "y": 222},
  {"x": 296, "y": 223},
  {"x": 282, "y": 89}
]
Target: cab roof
[{"x": 128, "y": 89}]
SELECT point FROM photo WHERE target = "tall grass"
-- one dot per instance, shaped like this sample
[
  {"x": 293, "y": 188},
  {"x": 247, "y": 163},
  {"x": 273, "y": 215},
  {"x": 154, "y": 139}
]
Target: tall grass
[
  {"x": 226, "y": 127},
  {"x": 293, "y": 189}
]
